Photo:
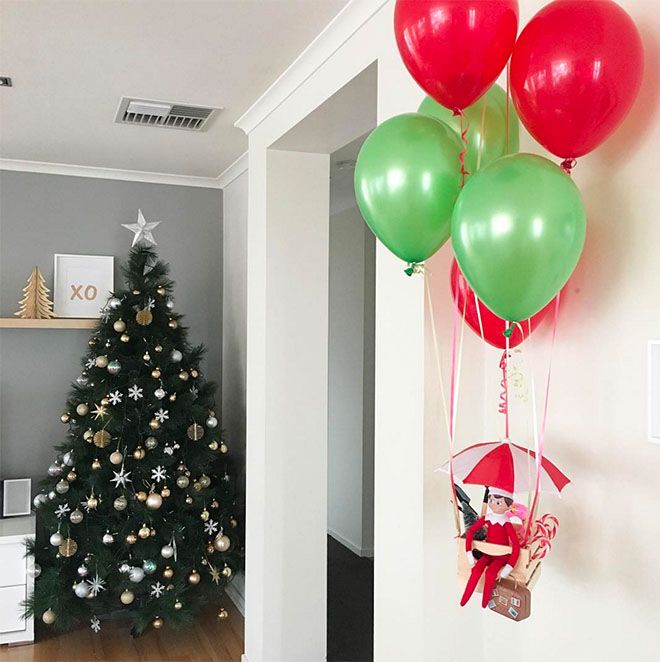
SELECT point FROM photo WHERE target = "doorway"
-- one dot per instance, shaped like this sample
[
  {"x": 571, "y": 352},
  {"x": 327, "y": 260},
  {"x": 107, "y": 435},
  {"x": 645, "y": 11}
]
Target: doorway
[{"x": 297, "y": 371}]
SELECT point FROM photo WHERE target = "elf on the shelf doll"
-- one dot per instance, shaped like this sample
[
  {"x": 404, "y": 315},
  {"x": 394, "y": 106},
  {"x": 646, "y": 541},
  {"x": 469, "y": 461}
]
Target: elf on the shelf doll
[{"x": 500, "y": 531}]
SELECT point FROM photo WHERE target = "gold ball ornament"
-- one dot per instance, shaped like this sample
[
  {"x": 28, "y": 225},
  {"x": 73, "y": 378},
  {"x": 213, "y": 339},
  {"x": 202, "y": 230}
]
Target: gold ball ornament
[
  {"x": 189, "y": 500},
  {"x": 88, "y": 434},
  {"x": 101, "y": 361},
  {"x": 71, "y": 476},
  {"x": 127, "y": 597},
  {"x": 194, "y": 578},
  {"x": 233, "y": 523},
  {"x": 82, "y": 409},
  {"x": 210, "y": 549},
  {"x": 197, "y": 486},
  {"x": 116, "y": 457},
  {"x": 48, "y": 617},
  {"x": 105, "y": 402},
  {"x": 182, "y": 481},
  {"x": 173, "y": 397},
  {"x": 155, "y": 373},
  {"x": 226, "y": 571},
  {"x": 213, "y": 445},
  {"x": 204, "y": 481},
  {"x": 183, "y": 376},
  {"x": 154, "y": 424},
  {"x": 157, "y": 623},
  {"x": 172, "y": 324},
  {"x": 195, "y": 432},
  {"x": 146, "y": 356},
  {"x": 141, "y": 496},
  {"x": 65, "y": 418},
  {"x": 124, "y": 337},
  {"x": 92, "y": 503},
  {"x": 144, "y": 532},
  {"x": 68, "y": 548},
  {"x": 158, "y": 348},
  {"x": 136, "y": 292},
  {"x": 194, "y": 373},
  {"x": 120, "y": 503},
  {"x": 154, "y": 501},
  {"x": 96, "y": 464},
  {"x": 160, "y": 290},
  {"x": 177, "y": 605},
  {"x": 131, "y": 539},
  {"x": 119, "y": 326},
  {"x": 221, "y": 542},
  {"x": 168, "y": 573},
  {"x": 76, "y": 516},
  {"x": 223, "y": 447},
  {"x": 165, "y": 492},
  {"x": 139, "y": 453},
  {"x": 102, "y": 438},
  {"x": 204, "y": 515},
  {"x": 144, "y": 317},
  {"x": 223, "y": 614}
]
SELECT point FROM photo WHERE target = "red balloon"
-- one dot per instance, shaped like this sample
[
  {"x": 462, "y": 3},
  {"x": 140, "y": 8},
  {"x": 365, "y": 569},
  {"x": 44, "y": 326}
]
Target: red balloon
[
  {"x": 455, "y": 49},
  {"x": 493, "y": 326},
  {"x": 575, "y": 72}
]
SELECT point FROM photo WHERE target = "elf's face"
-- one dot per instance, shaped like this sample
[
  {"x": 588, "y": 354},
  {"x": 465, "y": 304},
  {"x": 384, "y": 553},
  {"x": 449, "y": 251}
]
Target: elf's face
[{"x": 497, "y": 504}]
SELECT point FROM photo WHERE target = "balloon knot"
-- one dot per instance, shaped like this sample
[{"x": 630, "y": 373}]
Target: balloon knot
[
  {"x": 567, "y": 165},
  {"x": 507, "y": 332},
  {"x": 414, "y": 268}
]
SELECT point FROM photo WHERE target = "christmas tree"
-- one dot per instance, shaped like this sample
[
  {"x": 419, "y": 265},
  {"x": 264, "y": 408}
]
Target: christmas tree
[
  {"x": 35, "y": 304},
  {"x": 138, "y": 512}
]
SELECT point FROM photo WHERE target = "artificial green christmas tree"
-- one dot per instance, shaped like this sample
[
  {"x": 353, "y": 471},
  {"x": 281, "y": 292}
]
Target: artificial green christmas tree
[{"x": 139, "y": 512}]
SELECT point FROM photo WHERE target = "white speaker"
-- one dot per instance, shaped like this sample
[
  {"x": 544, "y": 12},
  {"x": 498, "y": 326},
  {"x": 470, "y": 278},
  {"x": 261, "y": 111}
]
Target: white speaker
[{"x": 16, "y": 495}]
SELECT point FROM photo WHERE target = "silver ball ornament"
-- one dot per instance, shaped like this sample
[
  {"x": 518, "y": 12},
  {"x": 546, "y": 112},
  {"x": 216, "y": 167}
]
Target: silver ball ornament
[
  {"x": 182, "y": 481},
  {"x": 113, "y": 303},
  {"x": 211, "y": 422},
  {"x": 67, "y": 458},
  {"x": 124, "y": 568},
  {"x": 167, "y": 551},
  {"x": 160, "y": 393},
  {"x": 82, "y": 589},
  {"x": 56, "y": 539},
  {"x": 54, "y": 470},
  {"x": 176, "y": 356},
  {"x": 36, "y": 570},
  {"x": 83, "y": 571},
  {"x": 62, "y": 487},
  {"x": 114, "y": 367},
  {"x": 76, "y": 516},
  {"x": 150, "y": 443},
  {"x": 119, "y": 326},
  {"x": 48, "y": 617},
  {"x": 108, "y": 538},
  {"x": 136, "y": 575}
]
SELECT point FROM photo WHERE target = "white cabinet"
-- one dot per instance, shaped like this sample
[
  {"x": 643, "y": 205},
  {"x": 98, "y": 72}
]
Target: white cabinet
[{"x": 16, "y": 579}]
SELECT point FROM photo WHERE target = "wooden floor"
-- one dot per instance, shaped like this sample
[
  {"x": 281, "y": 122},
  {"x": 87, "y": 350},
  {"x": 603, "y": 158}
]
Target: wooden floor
[{"x": 208, "y": 639}]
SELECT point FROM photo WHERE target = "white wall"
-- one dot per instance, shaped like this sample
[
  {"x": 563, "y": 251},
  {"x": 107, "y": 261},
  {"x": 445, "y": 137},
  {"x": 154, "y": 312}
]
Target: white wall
[
  {"x": 234, "y": 326},
  {"x": 596, "y": 598},
  {"x": 350, "y": 450}
]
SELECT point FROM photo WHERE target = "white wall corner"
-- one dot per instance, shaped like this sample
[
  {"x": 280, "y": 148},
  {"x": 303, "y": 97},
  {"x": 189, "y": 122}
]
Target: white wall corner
[
  {"x": 236, "y": 595},
  {"x": 71, "y": 170},
  {"x": 236, "y": 169},
  {"x": 347, "y": 22}
]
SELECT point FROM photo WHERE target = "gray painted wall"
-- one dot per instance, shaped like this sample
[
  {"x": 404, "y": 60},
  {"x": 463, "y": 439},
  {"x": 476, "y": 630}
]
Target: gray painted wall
[{"x": 45, "y": 214}]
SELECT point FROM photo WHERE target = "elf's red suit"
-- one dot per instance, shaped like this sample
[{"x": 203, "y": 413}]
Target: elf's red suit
[{"x": 501, "y": 532}]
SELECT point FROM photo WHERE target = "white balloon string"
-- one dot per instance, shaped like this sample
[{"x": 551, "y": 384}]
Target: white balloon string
[
  {"x": 438, "y": 364},
  {"x": 482, "y": 130}
]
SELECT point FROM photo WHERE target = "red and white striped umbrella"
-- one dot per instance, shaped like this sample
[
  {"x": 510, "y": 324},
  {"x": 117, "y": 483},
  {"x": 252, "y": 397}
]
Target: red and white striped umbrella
[{"x": 507, "y": 466}]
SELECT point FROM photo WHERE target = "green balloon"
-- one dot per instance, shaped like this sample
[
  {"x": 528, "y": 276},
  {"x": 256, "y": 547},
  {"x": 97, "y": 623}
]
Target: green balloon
[
  {"x": 493, "y": 137},
  {"x": 518, "y": 230},
  {"x": 407, "y": 179}
]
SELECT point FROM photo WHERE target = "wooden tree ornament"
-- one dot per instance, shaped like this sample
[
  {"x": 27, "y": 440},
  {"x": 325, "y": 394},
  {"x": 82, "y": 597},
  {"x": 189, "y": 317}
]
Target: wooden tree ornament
[{"x": 35, "y": 304}]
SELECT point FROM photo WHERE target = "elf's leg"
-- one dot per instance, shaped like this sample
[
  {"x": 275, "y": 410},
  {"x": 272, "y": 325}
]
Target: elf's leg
[
  {"x": 473, "y": 580},
  {"x": 492, "y": 570}
]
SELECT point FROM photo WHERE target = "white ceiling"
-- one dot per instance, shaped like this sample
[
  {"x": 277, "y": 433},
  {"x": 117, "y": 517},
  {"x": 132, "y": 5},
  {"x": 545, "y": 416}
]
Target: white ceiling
[{"x": 72, "y": 60}]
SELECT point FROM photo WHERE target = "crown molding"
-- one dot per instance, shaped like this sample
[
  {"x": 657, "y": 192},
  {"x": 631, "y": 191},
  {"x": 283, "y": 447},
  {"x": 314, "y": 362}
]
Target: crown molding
[
  {"x": 347, "y": 22},
  {"x": 109, "y": 173},
  {"x": 236, "y": 169}
]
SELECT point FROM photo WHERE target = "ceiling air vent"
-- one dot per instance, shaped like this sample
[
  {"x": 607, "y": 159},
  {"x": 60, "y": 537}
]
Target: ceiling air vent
[{"x": 163, "y": 114}]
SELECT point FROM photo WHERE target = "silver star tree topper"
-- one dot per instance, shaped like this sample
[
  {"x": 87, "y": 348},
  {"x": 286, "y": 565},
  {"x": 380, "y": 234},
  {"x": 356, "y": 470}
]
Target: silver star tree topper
[{"x": 142, "y": 230}]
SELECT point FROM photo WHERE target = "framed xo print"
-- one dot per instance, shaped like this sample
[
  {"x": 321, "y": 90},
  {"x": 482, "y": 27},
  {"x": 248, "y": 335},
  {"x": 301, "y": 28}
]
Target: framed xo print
[{"x": 82, "y": 284}]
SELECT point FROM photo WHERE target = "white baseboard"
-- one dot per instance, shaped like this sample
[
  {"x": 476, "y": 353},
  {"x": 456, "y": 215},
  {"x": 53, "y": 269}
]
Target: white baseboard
[
  {"x": 244, "y": 658},
  {"x": 236, "y": 595},
  {"x": 366, "y": 552}
]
